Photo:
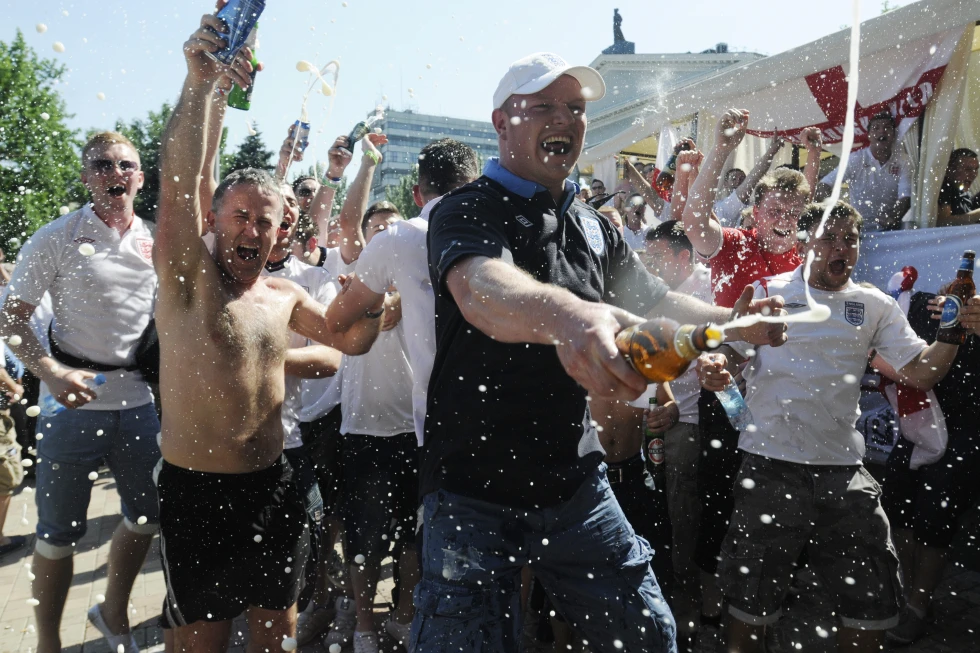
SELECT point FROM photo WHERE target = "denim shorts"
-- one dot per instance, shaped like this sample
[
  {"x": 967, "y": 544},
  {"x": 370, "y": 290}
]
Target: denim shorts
[
  {"x": 583, "y": 551},
  {"x": 73, "y": 444}
]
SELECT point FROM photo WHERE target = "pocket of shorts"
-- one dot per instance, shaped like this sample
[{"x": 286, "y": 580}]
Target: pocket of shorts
[
  {"x": 445, "y": 613},
  {"x": 736, "y": 558}
]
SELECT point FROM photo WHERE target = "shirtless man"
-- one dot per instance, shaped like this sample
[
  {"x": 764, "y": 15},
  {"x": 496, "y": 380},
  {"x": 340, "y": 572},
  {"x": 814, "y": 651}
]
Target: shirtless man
[{"x": 232, "y": 518}]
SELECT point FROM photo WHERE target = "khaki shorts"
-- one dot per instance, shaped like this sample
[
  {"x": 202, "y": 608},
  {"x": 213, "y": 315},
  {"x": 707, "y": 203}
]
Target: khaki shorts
[
  {"x": 834, "y": 511},
  {"x": 11, "y": 470}
]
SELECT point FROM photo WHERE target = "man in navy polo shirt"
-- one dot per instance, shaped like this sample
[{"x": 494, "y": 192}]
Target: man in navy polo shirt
[{"x": 531, "y": 288}]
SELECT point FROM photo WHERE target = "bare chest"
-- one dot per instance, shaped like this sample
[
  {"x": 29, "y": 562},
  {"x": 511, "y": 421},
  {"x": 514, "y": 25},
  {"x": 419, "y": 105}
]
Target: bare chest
[{"x": 249, "y": 329}]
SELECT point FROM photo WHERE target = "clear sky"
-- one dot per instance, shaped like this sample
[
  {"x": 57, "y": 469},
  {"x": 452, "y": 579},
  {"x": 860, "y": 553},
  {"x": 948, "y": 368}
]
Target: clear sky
[{"x": 450, "y": 54}]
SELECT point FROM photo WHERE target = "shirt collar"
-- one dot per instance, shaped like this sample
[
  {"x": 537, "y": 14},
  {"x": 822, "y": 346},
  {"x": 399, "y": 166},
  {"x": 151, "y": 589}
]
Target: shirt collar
[
  {"x": 518, "y": 185},
  {"x": 279, "y": 265},
  {"x": 424, "y": 213}
]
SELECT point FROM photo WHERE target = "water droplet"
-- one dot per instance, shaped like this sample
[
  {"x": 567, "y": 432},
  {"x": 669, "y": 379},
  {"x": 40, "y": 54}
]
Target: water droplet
[
  {"x": 41, "y": 28},
  {"x": 93, "y": 476},
  {"x": 257, "y": 538},
  {"x": 86, "y": 249},
  {"x": 141, "y": 520},
  {"x": 850, "y": 379},
  {"x": 100, "y": 432},
  {"x": 748, "y": 483},
  {"x": 100, "y": 95},
  {"x": 64, "y": 210},
  {"x": 359, "y": 559},
  {"x": 71, "y": 397},
  {"x": 428, "y": 65},
  {"x": 27, "y": 462},
  {"x": 765, "y": 519},
  {"x": 334, "y": 648},
  {"x": 14, "y": 340},
  {"x": 304, "y": 66},
  {"x": 33, "y": 411},
  {"x": 268, "y": 624},
  {"x": 849, "y": 580},
  {"x": 288, "y": 644},
  {"x": 545, "y": 541},
  {"x": 744, "y": 570},
  {"x": 343, "y": 4},
  {"x": 58, "y": 46},
  {"x": 45, "y": 115},
  {"x": 515, "y": 120},
  {"x": 617, "y": 643},
  {"x": 33, "y": 602},
  {"x": 716, "y": 444},
  {"x": 481, "y": 388}
]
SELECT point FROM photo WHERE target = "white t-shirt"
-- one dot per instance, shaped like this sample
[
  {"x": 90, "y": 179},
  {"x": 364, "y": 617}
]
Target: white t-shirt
[
  {"x": 102, "y": 303},
  {"x": 319, "y": 396},
  {"x": 398, "y": 256},
  {"x": 686, "y": 387},
  {"x": 803, "y": 396},
  {"x": 636, "y": 240},
  {"x": 729, "y": 210},
  {"x": 317, "y": 282},
  {"x": 875, "y": 187}
]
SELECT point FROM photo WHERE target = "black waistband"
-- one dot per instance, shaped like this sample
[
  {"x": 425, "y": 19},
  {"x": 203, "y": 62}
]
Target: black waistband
[
  {"x": 630, "y": 469},
  {"x": 71, "y": 360}
]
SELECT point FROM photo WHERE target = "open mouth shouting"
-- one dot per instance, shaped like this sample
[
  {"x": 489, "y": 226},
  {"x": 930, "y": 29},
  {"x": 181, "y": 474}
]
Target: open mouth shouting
[
  {"x": 117, "y": 190},
  {"x": 837, "y": 267},
  {"x": 557, "y": 145},
  {"x": 780, "y": 233},
  {"x": 246, "y": 253}
]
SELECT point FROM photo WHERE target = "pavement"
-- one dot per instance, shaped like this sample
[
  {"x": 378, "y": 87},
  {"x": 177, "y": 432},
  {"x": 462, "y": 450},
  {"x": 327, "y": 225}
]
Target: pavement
[{"x": 955, "y": 625}]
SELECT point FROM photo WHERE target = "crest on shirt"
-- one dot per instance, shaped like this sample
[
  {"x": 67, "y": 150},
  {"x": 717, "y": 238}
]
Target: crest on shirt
[
  {"x": 854, "y": 313},
  {"x": 593, "y": 233},
  {"x": 84, "y": 239},
  {"x": 145, "y": 247}
]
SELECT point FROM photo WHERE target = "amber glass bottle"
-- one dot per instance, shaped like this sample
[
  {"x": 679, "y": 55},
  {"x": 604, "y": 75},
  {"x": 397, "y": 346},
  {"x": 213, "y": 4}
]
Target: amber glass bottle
[{"x": 661, "y": 350}]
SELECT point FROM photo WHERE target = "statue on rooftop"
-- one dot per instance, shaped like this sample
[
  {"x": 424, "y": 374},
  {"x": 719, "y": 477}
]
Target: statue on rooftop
[
  {"x": 620, "y": 44},
  {"x": 618, "y": 27}
]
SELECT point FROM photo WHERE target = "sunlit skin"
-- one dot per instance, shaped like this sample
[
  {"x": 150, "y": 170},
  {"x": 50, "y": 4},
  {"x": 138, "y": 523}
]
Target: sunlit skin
[
  {"x": 287, "y": 227},
  {"x": 526, "y": 121},
  {"x": 245, "y": 230},
  {"x": 882, "y": 135},
  {"x": 663, "y": 262},
  {"x": 964, "y": 171},
  {"x": 378, "y": 223},
  {"x": 305, "y": 193},
  {"x": 775, "y": 220},
  {"x": 113, "y": 191},
  {"x": 835, "y": 253}
]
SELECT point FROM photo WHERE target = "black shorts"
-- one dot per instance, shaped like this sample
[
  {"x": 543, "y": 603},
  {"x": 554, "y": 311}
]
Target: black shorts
[
  {"x": 307, "y": 485},
  {"x": 323, "y": 444},
  {"x": 381, "y": 489},
  {"x": 931, "y": 499},
  {"x": 230, "y": 541}
]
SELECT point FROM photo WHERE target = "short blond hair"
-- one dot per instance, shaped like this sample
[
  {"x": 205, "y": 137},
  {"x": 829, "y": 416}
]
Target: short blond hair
[
  {"x": 105, "y": 139},
  {"x": 784, "y": 180}
]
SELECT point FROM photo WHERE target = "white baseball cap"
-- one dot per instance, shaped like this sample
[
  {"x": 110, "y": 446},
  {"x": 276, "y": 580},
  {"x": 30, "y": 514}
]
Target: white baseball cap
[{"x": 537, "y": 71}]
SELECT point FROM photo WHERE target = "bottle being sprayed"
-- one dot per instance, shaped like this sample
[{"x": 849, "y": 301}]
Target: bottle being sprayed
[
  {"x": 661, "y": 350},
  {"x": 50, "y": 406},
  {"x": 362, "y": 129},
  {"x": 241, "y": 98}
]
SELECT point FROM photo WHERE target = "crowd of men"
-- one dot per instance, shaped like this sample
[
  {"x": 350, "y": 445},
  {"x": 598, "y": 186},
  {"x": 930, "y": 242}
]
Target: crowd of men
[{"x": 446, "y": 390}]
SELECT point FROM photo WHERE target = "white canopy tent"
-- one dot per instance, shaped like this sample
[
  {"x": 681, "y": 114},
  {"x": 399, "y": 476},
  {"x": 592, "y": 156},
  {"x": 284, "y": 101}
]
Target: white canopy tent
[{"x": 919, "y": 59}]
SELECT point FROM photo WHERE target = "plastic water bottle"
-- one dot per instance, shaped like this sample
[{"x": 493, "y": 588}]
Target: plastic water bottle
[
  {"x": 50, "y": 406},
  {"x": 735, "y": 406}
]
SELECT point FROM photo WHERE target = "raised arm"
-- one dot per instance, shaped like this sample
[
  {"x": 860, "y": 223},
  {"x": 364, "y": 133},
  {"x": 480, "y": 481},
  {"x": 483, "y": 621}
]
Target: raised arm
[
  {"x": 812, "y": 140},
  {"x": 321, "y": 208},
  {"x": 178, "y": 247},
  {"x": 688, "y": 163},
  {"x": 291, "y": 151},
  {"x": 216, "y": 120},
  {"x": 744, "y": 190},
  {"x": 312, "y": 362},
  {"x": 643, "y": 187},
  {"x": 704, "y": 232},
  {"x": 356, "y": 203},
  {"x": 350, "y": 305}
]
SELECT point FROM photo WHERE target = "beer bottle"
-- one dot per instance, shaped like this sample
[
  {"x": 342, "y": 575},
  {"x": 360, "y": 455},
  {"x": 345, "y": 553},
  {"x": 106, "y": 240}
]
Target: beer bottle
[
  {"x": 654, "y": 451},
  {"x": 241, "y": 98},
  {"x": 361, "y": 130},
  {"x": 961, "y": 290},
  {"x": 661, "y": 350}
]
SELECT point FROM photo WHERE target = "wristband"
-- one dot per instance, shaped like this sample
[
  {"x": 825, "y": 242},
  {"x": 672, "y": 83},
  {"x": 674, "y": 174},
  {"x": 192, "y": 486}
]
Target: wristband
[
  {"x": 374, "y": 157},
  {"x": 332, "y": 182},
  {"x": 374, "y": 316}
]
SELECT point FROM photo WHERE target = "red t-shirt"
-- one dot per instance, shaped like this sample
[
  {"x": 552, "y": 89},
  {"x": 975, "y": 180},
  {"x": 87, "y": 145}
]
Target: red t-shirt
[{"x": 742, "y": 261}]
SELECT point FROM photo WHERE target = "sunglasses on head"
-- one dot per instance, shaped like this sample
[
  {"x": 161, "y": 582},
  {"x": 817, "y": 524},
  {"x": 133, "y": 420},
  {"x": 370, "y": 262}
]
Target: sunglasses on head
[{"x": 107, "y": 165}]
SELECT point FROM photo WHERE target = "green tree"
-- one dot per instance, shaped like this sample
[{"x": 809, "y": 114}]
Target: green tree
[
  {"x": 145, "y": 135},
  {"x": 39, "y": 163},
  {"x": 252, "y": 153},
  {"x": 401, "y": 195}
]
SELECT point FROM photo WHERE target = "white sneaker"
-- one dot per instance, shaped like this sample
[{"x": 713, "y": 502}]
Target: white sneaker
[
  {"x": 399, "y": 632},
  {"x": 366, "y": 642},
  {"x": 312, "y": 621},
  {"x": 125, "y": 643},
  {"x": 342, "y": 631}
]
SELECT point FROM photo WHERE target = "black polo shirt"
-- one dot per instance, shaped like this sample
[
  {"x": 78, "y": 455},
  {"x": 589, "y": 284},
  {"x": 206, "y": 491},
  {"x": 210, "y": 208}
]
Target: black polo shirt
[{"x": 505, "y": 423}]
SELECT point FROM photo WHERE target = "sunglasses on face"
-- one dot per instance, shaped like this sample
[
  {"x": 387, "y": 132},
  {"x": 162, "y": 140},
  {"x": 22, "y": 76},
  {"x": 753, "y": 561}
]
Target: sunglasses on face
[
  {"x": 103, "y": 166},
  {"x": 305, "y": 192}
]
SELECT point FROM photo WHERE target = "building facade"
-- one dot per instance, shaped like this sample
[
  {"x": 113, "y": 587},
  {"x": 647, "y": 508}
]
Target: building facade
[{"x": 408, "y": 132}]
